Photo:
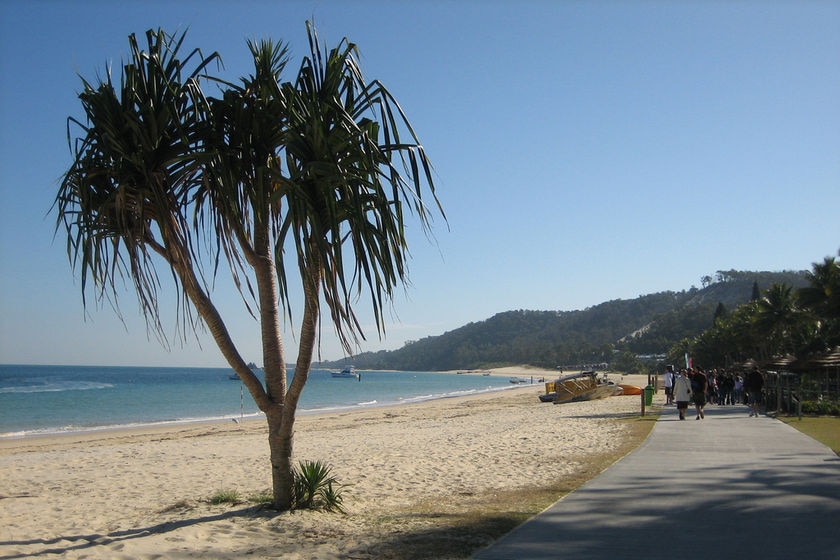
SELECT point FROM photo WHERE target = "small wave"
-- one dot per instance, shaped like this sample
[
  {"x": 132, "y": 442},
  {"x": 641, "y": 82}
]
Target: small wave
[
  {"x": 57, "y": 386},
  {"x": 74, "y": 429}
]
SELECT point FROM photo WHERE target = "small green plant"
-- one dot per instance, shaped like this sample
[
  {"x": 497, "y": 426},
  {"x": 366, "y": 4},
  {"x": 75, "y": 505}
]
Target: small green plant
[
  {"x": 315, "y": 487},
  {"x": 264, "y": 497},
  {"x": 225, "y": 497}
]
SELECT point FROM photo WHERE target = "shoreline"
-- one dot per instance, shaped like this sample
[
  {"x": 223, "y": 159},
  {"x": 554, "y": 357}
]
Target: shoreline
[
  {"x": 164, "y": 425},
  {"x": 71, "y": 431},
  {"x": 174, "y": 427}
]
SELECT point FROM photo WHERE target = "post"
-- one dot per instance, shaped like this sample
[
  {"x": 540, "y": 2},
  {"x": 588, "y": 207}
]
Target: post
[{"x": 643, "y": 403}]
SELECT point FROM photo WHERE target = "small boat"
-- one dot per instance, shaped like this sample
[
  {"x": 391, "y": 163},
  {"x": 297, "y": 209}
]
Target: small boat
[
  {"x": 584, "y": 386},
  {"x": 251, "y": 365},
  {"x": 630, "y": 389},
  {"x": 348, "y": 372}
]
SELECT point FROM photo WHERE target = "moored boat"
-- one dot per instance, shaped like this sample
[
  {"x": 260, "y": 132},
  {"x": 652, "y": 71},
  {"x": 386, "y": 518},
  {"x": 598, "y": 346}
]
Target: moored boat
[{"x": 348, "y": 372}]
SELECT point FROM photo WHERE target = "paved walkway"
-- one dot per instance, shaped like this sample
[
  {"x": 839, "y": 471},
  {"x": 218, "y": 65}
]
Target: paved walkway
[{"x": 729, "y": 486}]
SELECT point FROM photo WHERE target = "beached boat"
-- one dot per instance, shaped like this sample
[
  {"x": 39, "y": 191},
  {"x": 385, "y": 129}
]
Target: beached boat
[
  {"x": 584, "y": 386},
  {"x": 348, "y": 372},
  {"x": 630, "y": 389}
]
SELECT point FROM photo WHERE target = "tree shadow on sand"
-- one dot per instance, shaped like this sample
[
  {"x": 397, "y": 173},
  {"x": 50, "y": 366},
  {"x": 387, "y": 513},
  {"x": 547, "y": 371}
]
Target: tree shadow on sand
[{"x": 55, "y": 545}]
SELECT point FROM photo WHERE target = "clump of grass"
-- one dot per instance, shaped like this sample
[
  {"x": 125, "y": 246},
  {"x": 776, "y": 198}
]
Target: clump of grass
[
  {"x": 225, "y": 497},
  {"x": 262, "y": 498},
  {"x": 316, "y": 488}
]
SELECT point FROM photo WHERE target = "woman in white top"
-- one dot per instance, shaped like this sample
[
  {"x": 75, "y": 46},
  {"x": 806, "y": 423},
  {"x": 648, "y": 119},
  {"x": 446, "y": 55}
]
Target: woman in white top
[{"x": 682, "y": 393}]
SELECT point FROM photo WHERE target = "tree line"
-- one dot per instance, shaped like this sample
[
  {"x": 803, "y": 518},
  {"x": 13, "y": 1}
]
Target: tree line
[
  {"x": 616, "y": 331},
  {"x": 781, "y": 320}
]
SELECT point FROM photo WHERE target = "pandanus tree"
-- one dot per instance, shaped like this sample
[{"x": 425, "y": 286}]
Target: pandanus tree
[
  {"x": 325, "y": 168},
  {"x": 821, "y": 298}
]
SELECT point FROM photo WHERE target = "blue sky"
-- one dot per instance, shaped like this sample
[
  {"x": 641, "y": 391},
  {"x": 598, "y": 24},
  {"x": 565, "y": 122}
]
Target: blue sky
[{"x": 584, "y": 151}]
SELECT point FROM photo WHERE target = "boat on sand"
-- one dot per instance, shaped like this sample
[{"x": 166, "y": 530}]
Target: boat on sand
[
  {"x": 583, "y": 386},
  {"x": 630, "y": 389}
]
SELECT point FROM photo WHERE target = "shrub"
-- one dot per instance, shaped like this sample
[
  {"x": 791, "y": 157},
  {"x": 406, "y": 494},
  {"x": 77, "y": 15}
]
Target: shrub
[
  {"x": 821, "y": 408},
  {"x": 316, "y": 488}
]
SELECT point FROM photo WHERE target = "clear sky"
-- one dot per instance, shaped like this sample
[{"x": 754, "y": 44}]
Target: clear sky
[{"x": 584, "y": 151}]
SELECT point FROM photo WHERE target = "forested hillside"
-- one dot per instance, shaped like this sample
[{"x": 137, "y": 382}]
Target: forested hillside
[{"x": 649, "y": 324}]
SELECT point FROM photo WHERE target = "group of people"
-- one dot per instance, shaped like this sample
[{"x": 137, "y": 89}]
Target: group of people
[{"x": 715, "y": 386}]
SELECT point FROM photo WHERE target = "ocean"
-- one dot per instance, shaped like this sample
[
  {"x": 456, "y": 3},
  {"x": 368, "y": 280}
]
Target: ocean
[{"x": 40, "y": 400}]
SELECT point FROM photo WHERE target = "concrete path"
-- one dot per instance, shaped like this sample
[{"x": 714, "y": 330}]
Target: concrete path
[{"x": 729, "y": 486}]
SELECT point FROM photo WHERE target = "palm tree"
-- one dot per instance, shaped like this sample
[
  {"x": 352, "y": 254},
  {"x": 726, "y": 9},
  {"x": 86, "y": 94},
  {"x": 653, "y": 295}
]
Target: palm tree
[
  {"x": 776, "y": 319},
  {"x": 351, "y": 178},
  {"x": 246, "y": 134},
  {"x": 823, "y": 294},
  {"x": 160, "y": 167},
  {"x": 822, "y": 299}
]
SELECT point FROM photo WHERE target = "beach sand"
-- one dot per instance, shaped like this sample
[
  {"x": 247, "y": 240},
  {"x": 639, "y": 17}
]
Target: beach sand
[{"x": 145, "y": 493}]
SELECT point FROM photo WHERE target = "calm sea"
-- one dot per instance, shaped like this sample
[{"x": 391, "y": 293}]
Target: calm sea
[{"x": 58, "y": 399}]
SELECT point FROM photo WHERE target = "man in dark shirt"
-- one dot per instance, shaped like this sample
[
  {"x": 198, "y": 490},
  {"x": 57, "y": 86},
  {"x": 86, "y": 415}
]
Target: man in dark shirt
[{"x": 754, "y": 384}]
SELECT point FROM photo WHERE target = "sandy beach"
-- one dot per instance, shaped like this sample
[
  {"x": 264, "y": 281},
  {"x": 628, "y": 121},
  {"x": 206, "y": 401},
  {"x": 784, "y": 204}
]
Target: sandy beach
[{"x": 145, "y": 493}]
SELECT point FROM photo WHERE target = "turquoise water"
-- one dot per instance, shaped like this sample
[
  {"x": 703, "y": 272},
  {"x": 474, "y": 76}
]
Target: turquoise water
[{"x": 57, "y": 399}]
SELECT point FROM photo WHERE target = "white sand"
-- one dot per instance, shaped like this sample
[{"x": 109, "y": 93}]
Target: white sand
[{"x": 143, "y": 494}]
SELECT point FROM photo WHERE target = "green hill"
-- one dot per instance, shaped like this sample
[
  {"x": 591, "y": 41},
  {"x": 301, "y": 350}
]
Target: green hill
[{"x": 649, "y": 324}]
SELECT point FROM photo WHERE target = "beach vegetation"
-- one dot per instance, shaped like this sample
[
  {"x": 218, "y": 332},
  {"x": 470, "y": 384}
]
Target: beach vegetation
[
  {"x": 291, "y": 183},
  {"x": 262, "y": 498},
  {"x": 226, "y": 496},
  {"x": 317, "y": 488}
]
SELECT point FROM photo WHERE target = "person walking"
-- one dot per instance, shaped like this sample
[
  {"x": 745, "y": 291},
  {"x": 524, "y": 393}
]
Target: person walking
[
  {"x": 699, "y": 386},
  {"x": 669, "y": 385},
  {"x": 754, "y": 385},
  {"x": 682, "y": 393}
]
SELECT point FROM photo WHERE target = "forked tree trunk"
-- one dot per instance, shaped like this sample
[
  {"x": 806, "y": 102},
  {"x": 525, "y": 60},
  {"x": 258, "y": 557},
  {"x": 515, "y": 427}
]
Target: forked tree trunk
[
  {"x": 276, "y": 400},
  {"x": 280, "y": 431}
]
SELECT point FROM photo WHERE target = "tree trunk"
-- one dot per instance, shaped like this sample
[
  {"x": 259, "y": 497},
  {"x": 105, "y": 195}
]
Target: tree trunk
[
  {"x": 280, "y": 444},
  {"x": 281, "y": 426}
]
